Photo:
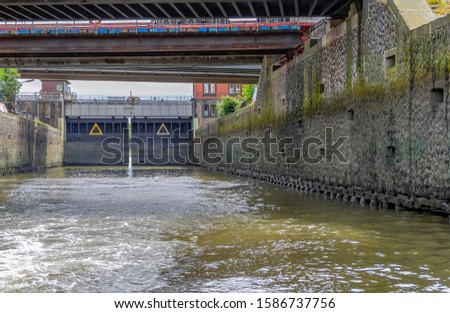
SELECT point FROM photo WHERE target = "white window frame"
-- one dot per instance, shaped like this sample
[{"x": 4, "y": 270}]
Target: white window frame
[
  {"x": 205, "y": 112},
  {"x": 238, "y": 89},
  {"x": 231, "y": 89}
]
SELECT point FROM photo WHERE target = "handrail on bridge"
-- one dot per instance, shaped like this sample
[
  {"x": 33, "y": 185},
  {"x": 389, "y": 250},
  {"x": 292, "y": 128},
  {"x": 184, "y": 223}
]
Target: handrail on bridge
[
  {"x": 34, "y": 96},
  {"x": 97, "y": 99},
  {"x": 142, "y": 98},
  {"x": 98, "y": 27}
]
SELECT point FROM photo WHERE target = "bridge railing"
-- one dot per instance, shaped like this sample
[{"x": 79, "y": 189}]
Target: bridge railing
[
  {"x": 160, "y": 109},
  {"x": 27, "y": 96},
  {"x": 97, "y": 27},
  {"x": 35, "y": 96},
  {"x": 101, "y": 99},
  {"x": 123, "y": 100}
]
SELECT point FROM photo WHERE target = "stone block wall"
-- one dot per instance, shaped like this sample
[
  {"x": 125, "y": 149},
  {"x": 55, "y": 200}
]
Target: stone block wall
[
  {"x": 379, "y": 84},
  {"x": 26, "y": 145}
]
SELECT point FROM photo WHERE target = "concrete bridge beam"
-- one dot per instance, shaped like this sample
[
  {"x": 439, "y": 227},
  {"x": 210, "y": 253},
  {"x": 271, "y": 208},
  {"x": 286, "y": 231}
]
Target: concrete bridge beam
[{"x": 186, "y": 45}]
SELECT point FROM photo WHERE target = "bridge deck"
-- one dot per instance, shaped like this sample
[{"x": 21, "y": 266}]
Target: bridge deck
[{"x": 172, "y": 9}]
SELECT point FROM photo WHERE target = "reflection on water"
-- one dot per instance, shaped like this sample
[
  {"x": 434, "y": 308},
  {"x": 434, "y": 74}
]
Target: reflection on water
[{"x": 189, "y": 230}]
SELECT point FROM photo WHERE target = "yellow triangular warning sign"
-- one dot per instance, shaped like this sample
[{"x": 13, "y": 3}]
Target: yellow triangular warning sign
[
  {"x": 163, "y": 130},
  {"x": 96, "y": 131}
]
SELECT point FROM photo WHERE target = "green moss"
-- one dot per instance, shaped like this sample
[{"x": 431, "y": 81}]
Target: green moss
[
  {"x": 360, "y": 95},
  {"x": 440, "y": 7},
  {"x": 418, "y": 60},
  {"x": 250, "y": 120}
]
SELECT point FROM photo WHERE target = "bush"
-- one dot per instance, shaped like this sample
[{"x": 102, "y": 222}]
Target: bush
[
  {"x": 9, "y": 86},
  {"x": 247, "y": 93},
  {"x": 227, "y": 105}
]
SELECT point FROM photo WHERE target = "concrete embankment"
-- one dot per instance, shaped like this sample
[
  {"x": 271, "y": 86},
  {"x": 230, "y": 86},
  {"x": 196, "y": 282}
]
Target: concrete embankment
[{"x": 26, "y": 145}]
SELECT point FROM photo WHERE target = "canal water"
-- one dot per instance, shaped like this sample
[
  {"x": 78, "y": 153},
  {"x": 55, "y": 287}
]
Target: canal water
[{"x": 190, "y": 230}]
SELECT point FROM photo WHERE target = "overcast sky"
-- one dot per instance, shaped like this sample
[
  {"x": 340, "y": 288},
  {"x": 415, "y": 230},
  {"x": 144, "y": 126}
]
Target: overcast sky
[{"x": 118, "y": 88}]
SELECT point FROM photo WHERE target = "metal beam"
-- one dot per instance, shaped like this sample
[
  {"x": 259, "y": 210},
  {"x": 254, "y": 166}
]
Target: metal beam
[
  {"x": 180, "y": 44},
  {"x": 207, "y": 10},
  {"x": 328, "y": 8},
  {"x": 46, "y": 12},
  {"x": 280, "y": 4},
  {"x": 62, "y": 12},
  {"x": 147, "y": 77},
  {"x": 192, "y": 9},
  {"x": 143, "y": 70},
  {"x": 76, "y": 12},
  {"x": 236, "y": 8},
  {"x": 90, "y": 12},
  {"x": 129, "y": 7},
  {"x": 148, "y": 10},
  {"x": 98, "y": 8},
  {"x": 32, "y": 12},
  {"x": 11, "y": 16},
  {"x": 79, "y": 2},
  {"x": 60, "y": 62},
  {"x": 119, "y": 11},
  {"x": 252, "y": 9},
  {"x": 104, "y": 11},
  {"x": 313, "y": 6},
  {"x": 162, "y": 10},
  {"x": 17, "y": 12},
  {"x": 178, "y": 10},
  {"x": 266, "y": 7},
  {"x": 222, "y": 9}
]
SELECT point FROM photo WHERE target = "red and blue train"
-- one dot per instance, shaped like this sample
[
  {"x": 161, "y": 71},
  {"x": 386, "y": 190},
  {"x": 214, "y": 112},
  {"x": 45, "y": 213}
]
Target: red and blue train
[{"x": 147, "y": 26}]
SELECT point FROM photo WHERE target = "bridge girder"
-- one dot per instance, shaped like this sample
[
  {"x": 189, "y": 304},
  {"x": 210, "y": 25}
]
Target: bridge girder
[
  {"x": 172, "y": 9},
  {"x": 58, "y": 62},
  {"x": 156, "y": 76},
  {"x": 126, "y": 46}
]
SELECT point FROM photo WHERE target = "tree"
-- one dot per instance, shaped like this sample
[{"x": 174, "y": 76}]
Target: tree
[
  {"x": 9, "y": 86},
  {"x": 227, "y": 105},
  {"x": 247, "y": 93}
]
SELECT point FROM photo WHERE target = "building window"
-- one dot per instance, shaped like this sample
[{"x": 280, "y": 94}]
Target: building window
[
  {"x": 213, "y": 110},
  {"x": 238, "y": 89},
  {"x": 209, "y": 89},
  {"x": 231, "y": 89},
  {"x": 205, "y": 110}
]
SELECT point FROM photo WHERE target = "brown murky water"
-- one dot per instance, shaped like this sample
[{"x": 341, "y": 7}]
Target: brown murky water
[{"x": 189, "y": 230}]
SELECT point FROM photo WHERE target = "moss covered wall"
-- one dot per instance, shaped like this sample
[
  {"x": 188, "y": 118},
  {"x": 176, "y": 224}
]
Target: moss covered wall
[
  {"x": 398, "y": 138},
  {"x": 27, "y": 146}
]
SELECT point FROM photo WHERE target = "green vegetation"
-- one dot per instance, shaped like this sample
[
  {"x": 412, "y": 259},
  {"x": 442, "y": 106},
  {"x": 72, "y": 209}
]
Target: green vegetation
[
  {"x": 227, "y": 105},
  {"x": 440, "y": 7},
  {"x": 247, "y": 93},
  {"x": 9, "y": 86}
]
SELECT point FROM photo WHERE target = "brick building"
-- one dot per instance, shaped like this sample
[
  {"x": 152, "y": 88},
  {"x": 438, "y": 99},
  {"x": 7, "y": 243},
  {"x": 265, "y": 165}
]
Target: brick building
[
  {"x": 56, "y": 86},
  {"x": 206, "y": 95}
]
